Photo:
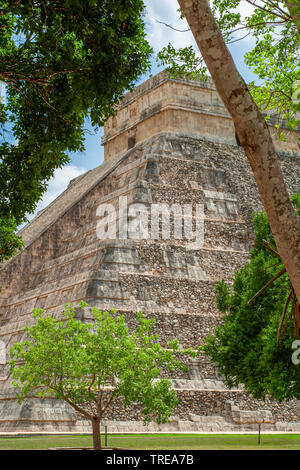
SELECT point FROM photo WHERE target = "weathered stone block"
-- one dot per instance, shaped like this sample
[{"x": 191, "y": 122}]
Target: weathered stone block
[{"x": 183, "y": 152}]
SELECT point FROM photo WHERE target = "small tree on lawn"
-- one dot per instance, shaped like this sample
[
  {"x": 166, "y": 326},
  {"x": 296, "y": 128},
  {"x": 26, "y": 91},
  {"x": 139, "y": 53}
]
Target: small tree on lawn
[{"x": 89, "y": 365}]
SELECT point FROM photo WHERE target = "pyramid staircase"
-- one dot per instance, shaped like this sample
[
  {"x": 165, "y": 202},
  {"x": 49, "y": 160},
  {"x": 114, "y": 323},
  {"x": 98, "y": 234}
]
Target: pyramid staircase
[{"x": 65, "y": 261}]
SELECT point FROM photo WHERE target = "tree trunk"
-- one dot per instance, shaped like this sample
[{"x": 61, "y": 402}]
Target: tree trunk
[
  {"x": 253, "y": 134},
  {"x": 96, "y": 433},
  {"x": 294, "y": 10}
]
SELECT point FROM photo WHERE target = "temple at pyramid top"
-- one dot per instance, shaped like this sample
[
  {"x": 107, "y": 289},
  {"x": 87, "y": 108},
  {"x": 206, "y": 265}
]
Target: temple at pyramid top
[
  {"x": 159, "y": 106},
  {"x": 170, "y": 146},
  {"x": 184, "y": 107}
]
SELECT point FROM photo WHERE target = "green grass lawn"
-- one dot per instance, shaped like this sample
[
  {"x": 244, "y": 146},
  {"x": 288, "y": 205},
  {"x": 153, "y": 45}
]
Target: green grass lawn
[{"x": 160, "y": 442}]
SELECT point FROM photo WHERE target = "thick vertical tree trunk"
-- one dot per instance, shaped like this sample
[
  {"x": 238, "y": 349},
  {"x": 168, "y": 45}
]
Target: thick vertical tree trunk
[
  {"x": 253, "y": 134},
  {"x": 294, "y": 9},
  {"x": 96, "y": 433}
]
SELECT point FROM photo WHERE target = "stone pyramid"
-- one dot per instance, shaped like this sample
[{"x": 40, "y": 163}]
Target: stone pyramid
[{"x": 171, "y": 142}]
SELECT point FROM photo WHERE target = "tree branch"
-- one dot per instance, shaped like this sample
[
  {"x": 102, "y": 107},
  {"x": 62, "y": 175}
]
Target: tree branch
[
  {"x": 267, "y": 11},
  {"x": 253, "y": 133},
  {"x": 172, "y": 27}
]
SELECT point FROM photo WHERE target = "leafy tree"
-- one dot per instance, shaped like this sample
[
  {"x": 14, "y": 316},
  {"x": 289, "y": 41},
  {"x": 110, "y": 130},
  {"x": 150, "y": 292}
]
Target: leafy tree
[
  {"x": 61, "y": 62},
  {"x": 275, "y": 57},
  {"x": 252, "y": 131},
  {"x": 252, "y": 347},
  {"x": 89, "y": 365},
  {"x": 10, "y": 243}
]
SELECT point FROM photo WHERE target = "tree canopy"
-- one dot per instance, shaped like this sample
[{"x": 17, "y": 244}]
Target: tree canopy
[
  {"x": 90, "y": 365},
  {"x": 245, "y": 347},
  {"x": 61, "y": 62}
]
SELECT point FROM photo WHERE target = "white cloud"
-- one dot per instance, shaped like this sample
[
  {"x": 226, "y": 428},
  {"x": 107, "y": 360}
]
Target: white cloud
[
  {"x": 58, "y": 183},
  {"x": 2, "y": 93},
  {"x": 246, "y": 9},
  {"x": 160, "y": 35},
  {"x": 166, "y": 11}
]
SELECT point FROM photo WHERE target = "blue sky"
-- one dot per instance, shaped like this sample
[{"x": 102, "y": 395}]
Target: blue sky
[{"x": 158, "y": 36}]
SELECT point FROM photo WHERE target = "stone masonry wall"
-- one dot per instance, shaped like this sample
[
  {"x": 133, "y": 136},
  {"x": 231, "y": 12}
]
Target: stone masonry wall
[{"x": 67, "y": 262}]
